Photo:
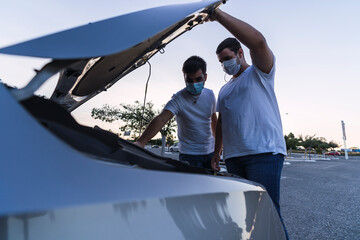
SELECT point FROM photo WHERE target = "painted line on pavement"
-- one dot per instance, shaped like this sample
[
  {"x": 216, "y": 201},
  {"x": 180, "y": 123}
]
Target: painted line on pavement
[
  {"x": 295, "y": 178},
  {"x": 333, "y": 165}
]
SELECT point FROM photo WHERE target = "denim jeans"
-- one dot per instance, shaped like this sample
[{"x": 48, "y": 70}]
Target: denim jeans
[
  {"x": 203, "y": 161},
  {"x": 262, "y": 168}
]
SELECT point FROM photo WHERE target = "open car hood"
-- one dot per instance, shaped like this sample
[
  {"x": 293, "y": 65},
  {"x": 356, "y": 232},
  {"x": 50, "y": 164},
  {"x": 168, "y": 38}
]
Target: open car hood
[{"x": 91, "y": 58}]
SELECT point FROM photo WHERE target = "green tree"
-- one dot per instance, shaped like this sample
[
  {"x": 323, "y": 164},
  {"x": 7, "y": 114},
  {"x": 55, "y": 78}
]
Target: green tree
[
  {"x": 309, "y": 142},
  {"x": 168, "y": 130},
  {"x": 333, "y": 145},
  {"x": 317, "y": 143},
  {"x": 291, "y": 141},
  {"x": 134, "y": 117},
  {"x": 170, "y": 140},
  {"x": 106, "y": 113},
  {"x": 130, "y": 114}
]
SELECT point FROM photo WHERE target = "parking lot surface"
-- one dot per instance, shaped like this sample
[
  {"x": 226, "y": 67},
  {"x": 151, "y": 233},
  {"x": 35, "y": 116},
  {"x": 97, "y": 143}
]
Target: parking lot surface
[{"x": 320, "y": 199}]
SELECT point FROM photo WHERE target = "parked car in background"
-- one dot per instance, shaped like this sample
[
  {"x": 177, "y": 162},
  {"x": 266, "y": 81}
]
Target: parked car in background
[
  {"x": 174, "y": 148},
  {"x": 333, "y": 153}
]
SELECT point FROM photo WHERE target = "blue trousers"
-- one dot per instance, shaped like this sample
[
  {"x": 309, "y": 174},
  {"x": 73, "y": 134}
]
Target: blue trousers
[
  {"x": 262, "y": 168},
  {"x": 203, "y": 161}
]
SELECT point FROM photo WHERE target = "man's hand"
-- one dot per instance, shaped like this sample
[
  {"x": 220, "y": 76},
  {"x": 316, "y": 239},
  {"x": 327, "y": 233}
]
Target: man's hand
[
  {"x": 154, "y": 127},
  {"x": 215, "y": 162},
  {"x": 212, "y": 15},
  {"x": 139, "y": 144}
]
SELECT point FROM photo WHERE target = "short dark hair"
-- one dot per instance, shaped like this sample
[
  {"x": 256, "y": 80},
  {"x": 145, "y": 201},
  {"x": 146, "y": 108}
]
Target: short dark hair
[
  {"x": 231, "y": 43},
  {"x": 193, "y": 64}
]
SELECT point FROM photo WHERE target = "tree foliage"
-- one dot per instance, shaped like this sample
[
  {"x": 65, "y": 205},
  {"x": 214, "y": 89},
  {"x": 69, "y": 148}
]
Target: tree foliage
[
  {"x": 169, "y": 129},
  {"x": 291, "y": 141},
  {"x": 309, "y": 142},
  {"x": 333, "y": 145},
  {"x": 133, "y": 117},
  {"x": 170, "y": 140},
  {"x": 106, "y": 113}
]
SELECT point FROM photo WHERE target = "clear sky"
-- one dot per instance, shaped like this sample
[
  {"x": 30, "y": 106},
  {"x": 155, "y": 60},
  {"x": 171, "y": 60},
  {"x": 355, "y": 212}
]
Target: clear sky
[{"x": 316, "y": 44}]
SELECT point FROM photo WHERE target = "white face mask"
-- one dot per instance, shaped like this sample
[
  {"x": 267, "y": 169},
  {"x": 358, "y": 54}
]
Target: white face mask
[{"x": 231, "y": 66}]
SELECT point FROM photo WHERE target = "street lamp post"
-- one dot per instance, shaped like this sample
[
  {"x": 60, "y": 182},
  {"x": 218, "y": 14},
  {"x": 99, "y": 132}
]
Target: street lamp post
[{"x": 344, "y": 137}]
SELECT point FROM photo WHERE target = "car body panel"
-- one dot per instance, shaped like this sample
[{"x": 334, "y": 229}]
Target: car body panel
[
  {"x": 204, "y": 216},
  {"x": 333, "y": 153},
  {"x": 174, "y": 148},
  {"x": 106, "y": 37}
]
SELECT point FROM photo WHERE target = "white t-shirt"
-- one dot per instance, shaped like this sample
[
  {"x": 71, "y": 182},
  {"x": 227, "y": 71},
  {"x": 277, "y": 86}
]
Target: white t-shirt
[
  {"x": 251, "y": 122},
  {"x": 193, "y": 116}
]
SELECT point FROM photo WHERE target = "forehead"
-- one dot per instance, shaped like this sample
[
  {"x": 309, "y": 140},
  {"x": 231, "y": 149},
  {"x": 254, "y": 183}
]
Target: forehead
[
  {"x": 225, "y": 54},
  {"x": 198, "y": 73}
]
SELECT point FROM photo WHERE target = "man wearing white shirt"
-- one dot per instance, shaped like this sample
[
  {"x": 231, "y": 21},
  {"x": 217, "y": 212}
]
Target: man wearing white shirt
[
  {"x": 194, "y": 109},
  {"x": 249, "y": 125}
]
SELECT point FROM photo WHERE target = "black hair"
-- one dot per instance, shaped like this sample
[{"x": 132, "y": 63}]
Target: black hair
[
  {"x": 231, "y": 43},
  {"x": 193, "y": 64}
]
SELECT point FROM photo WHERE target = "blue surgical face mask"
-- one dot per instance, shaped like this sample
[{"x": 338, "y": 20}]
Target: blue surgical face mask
[
  {"x": 195, "y": 88},
  {"x": 231, "y": 66}
]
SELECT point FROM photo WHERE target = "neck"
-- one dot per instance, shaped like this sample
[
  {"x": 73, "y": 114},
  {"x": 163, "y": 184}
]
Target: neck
[
  {"x": 242, "y": 69},
  {"x": 194, "y": 97}
]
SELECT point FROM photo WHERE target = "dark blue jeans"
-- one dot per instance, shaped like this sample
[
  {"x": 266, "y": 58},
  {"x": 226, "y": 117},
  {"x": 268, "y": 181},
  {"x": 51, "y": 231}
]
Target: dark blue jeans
[
  {"x": 203, "y": 161},
  {"x": 262, "y": 168}
]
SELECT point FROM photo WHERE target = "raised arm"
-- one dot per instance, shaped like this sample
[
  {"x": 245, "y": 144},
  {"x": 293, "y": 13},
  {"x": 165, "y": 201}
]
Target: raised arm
[
  {"x": 260, "y": 52},
  {"x": 154, "y": 127}
]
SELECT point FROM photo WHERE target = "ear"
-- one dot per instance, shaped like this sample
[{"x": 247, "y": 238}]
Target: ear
[
  {"x": 241, "y": 53},
  {"x": 184, "y": 74},
  {"x": 205, "y": 77}
]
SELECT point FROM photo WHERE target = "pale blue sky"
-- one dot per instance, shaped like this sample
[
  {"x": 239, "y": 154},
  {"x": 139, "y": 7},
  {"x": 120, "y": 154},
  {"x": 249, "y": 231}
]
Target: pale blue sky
[{"x": 316, "y": 44}]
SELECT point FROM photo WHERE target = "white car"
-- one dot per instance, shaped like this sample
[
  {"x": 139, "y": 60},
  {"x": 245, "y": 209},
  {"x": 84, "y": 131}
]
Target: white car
[
  {"x": 62, "y": 180},
  {"x": 174, "y": 147}
]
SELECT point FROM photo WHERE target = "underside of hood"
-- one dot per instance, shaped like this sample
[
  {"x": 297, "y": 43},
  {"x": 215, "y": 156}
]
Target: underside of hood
[{"x": 91, "y": 58}]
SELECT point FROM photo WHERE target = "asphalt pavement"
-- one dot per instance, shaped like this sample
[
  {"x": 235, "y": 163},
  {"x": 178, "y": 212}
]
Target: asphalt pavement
[{"x": 319, "y": 197}]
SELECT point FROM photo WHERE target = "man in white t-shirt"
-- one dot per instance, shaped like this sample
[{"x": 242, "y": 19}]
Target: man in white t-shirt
[
  {"x": 249, "y": 125},
  {"x": 194, "y": 109}
]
